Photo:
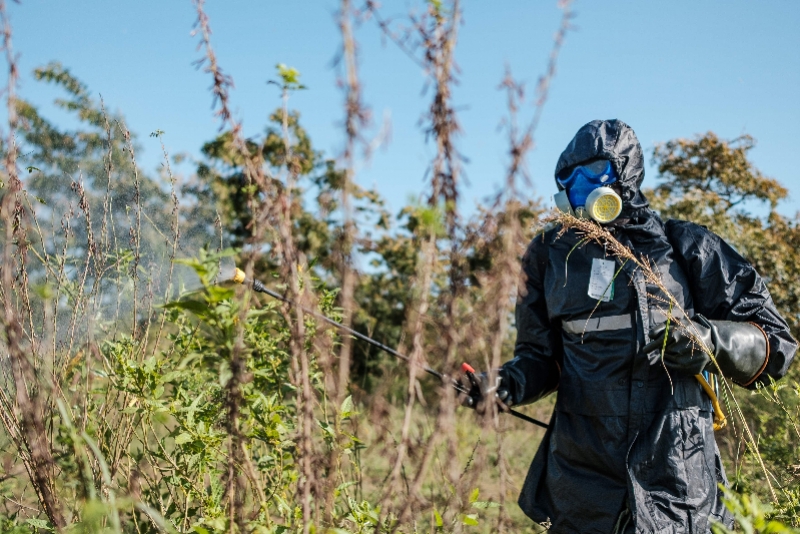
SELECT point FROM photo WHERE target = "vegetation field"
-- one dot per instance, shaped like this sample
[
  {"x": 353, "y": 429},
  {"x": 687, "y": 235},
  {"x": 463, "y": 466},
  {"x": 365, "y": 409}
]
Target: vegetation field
[{"x": 141, "y": 390}]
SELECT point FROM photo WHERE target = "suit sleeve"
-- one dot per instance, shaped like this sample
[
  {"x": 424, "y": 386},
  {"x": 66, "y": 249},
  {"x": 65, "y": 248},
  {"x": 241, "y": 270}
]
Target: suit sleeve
[
  {"x": 534, "y": 372},
  {"x": 725, "y": 286}
]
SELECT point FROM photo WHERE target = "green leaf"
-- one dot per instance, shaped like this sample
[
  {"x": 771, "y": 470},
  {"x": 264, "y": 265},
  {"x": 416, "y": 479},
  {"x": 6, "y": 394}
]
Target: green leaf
[
  {"x": 438, "y": 518},
  {"x": 474, "y": 495},
  {"x": 198, "y": 266},
  {"x": 327, "y": 427},
  {"x": 469, "y": 519},
  {"x": 218, "y": 294},
  {"x": 345, "y": 485},
  {"x": 44, "y": 291},
  {"x": 185, "y": 437},
  {"x": 39, "y": 523},
  {"x": 290, "y": 77},
  {"x": 195, "y": 306},
  {"x": 346, "y": 409},
  {"x": 225, "y": 373}
]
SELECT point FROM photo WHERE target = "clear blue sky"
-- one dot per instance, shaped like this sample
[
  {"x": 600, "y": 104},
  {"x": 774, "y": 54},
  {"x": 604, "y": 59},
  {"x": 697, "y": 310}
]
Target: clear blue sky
[{"x": 668, "y": 68}]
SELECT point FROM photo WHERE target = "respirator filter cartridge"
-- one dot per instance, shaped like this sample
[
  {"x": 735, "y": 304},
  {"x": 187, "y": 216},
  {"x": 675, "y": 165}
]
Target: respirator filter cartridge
[{"x": 603, "y": 205}]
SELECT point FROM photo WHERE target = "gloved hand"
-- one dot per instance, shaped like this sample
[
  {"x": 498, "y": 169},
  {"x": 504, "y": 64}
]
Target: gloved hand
[
  {"x": 479, "y": 389},
  {"x": 682, "y": 351},
  {"x": 740, "y": 349}
]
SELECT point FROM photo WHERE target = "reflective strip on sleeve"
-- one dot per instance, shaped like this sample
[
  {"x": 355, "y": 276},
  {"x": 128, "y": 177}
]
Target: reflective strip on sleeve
[{"x": 597, "y": 324}]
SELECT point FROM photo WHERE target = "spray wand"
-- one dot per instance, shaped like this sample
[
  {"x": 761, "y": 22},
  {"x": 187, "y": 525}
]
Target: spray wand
[{"x": 240, "y": 278}]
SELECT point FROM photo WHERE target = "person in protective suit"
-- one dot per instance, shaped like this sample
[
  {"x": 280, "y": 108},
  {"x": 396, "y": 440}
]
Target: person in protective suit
[{"x": 630, "y": 447}]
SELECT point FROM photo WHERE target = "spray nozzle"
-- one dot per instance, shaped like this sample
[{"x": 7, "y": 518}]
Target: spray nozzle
[{"x": 240, "y": 278}]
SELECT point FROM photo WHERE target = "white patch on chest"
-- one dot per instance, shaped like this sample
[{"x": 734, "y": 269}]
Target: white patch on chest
[{"x": 601, "y": 281}]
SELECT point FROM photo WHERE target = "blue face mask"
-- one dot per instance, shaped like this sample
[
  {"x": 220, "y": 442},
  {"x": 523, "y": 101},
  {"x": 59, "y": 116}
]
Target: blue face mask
[{"x": 586, "y": 178}]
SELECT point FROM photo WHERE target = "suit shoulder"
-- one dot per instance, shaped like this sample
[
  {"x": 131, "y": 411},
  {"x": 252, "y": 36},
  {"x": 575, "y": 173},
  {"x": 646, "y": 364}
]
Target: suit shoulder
[
  {"x": 545, "y": 236},
  {"x": 686, "y": 234},
  {"x": 539, "y": 248},
  {"x": 679, "y": 226}
]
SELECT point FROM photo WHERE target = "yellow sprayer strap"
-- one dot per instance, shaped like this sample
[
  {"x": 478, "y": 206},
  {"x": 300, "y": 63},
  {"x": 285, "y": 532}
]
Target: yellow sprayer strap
[{"x": 719, "y": 417}]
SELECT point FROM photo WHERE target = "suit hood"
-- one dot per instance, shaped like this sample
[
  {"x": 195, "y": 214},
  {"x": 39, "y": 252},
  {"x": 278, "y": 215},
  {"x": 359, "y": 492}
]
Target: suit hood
[{"x": 615, "y": 141}]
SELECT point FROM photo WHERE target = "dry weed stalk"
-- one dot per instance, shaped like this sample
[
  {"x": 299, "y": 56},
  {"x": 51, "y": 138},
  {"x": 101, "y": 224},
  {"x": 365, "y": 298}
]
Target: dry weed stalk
[
  {"x": 543, "y": 85},
  {"x": 254, "y": 173},
  {"x": 175, "y": 232},
  {"x": 356, "y": 118},
  {"x": 439, "y": 45},
  {"x": 435, "y": 35},
  {"x": 429, "y": 40},
  {"x": 505, "y": 227},
  {"x": 135, "y": 232},
  {"x": 293, "y": 270},
  {"x": 505, "y": 270},
  {"x": 591, "y": 231},
  {"x": 272, "y": 215},
  {"x": 91, "y": 251},
  {"x": 27, "y": 428}
]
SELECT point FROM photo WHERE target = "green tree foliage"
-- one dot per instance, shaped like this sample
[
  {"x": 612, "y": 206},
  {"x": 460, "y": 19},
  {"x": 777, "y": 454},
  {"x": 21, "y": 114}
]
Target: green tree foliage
[
  {"x": 99, "y": 152},
  {"x": 387, "y": 246},
  {"x": 220, "y": 190},
  {"x": 131, "y": 224},
  {"x": 221, "y": 184}
]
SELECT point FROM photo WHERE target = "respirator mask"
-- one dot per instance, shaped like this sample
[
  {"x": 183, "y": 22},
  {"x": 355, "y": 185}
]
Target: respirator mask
[{"x": 587, "y": 194}]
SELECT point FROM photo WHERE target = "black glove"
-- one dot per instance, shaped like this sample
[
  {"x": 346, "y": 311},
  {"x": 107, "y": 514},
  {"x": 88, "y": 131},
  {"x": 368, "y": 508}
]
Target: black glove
[
  {"x": 683, "y": 350},
  {"x": 740, "y": 349},
  {"x": 479, "y": 390}
]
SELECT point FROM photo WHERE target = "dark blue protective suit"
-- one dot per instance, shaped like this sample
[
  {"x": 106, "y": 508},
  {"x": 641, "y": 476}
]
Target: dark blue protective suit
[{"x": 627, "y": 450}]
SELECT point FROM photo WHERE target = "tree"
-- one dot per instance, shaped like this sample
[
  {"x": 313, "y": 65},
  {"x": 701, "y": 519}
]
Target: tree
[{"x": 99, "y": 152}]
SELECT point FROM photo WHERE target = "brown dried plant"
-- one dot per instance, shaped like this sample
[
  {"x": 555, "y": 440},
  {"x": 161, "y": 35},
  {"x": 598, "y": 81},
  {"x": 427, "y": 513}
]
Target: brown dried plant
[
  {"x": 500, "y": 282},
  {"x": 435, "y": 35},
  {"x": 23, "y": 417},
  {"x": 429, "y": 40},
  {"x": 255, "y": 175},
  {"x": 273, "y": 206}
]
